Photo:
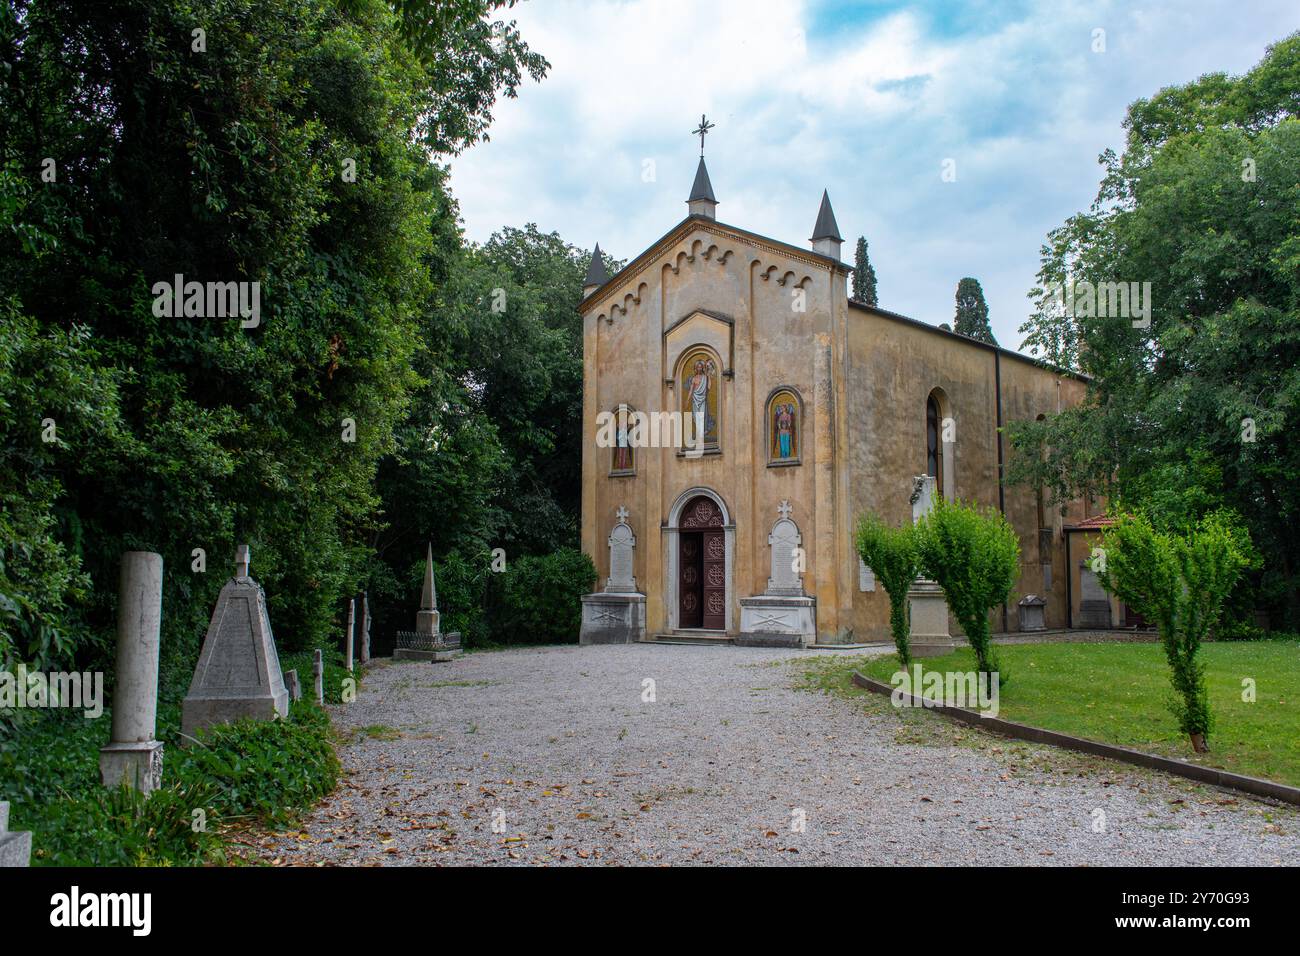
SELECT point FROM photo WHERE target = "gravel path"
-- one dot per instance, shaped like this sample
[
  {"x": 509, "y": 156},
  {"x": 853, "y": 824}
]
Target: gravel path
[{"x": 551, "y": 756}]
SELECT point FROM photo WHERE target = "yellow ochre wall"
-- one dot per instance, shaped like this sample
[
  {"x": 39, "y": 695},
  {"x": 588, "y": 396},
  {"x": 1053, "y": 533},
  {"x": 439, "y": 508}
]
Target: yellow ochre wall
[{"x": 709, "y": 284}]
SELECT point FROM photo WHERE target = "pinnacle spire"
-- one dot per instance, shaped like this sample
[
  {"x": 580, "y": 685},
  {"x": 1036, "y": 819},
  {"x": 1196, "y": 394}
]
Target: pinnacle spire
[
  {"x": 596, "y": 274},
  {"x": 826, "y": 227},
  {"x": 702, "y": 189}
]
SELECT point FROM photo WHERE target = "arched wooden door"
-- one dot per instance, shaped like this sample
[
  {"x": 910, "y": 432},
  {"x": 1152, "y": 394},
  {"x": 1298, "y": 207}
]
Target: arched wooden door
[{"x": 702, "y": 567}]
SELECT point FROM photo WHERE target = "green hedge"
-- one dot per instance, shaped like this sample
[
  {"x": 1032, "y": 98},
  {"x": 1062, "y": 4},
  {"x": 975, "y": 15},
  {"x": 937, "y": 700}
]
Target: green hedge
[{"x": 539, "y": 598}]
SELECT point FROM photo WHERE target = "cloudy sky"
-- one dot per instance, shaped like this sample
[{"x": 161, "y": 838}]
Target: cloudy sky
[{"x": 864, "y": 98}]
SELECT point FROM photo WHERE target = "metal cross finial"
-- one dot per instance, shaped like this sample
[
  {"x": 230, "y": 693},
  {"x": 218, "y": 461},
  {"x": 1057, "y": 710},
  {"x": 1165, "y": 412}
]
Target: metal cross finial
[
  {"x": 701, "y": 130},
  {"x": 621, "y": 513},
  {"x": 784, "y": 509}
]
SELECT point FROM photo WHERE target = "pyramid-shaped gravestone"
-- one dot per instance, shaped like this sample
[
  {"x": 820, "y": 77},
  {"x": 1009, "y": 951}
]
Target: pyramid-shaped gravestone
[{"x": 238, "y": 674}]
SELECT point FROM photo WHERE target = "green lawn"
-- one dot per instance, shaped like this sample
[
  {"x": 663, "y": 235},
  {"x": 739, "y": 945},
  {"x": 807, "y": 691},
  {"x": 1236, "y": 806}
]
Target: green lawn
[{"x": 1118, "y": 693}]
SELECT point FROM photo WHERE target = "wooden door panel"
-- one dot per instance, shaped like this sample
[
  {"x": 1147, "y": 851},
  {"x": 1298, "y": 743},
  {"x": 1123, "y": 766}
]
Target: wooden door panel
[
  {"x": 714, "y": 567},
  {"x": 690, "y": 596}
]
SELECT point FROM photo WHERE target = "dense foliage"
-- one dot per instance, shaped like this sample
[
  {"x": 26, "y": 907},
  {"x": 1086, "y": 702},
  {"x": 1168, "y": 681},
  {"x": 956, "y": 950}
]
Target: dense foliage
[
  {"x": 540, "y": 597},
  {"x": 1180, "y": 582},
  {"x": 292, "y": 143},
  {"x": 864, "y": 275},
  {"x": 974, "y": 555},
  {"x": 891, "y": 555},
  {"x": 1194, "y": 405},
  {"x": 972, "y": 314}
]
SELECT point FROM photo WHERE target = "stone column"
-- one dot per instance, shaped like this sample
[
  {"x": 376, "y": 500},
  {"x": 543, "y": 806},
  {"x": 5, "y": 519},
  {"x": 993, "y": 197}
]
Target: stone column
[
  {"x": 352, "y": 624},
  {"x": 318, "y": 676},
  {"x": 364, "y": 628},
  {"x": 133, "y": 755}
]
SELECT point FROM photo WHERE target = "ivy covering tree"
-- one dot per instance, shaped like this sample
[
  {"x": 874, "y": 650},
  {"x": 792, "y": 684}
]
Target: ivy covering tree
[
  {"x": 864, "y": 276},
  {"x": 1179, "y": 581},
  {"x": 891, "y": 555},
  {"x": 1194, "y": 406},
  {"x": 972, "y": 316}
]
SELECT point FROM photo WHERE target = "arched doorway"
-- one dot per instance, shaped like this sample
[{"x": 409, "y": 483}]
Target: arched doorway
[
  {"x": 699, "y": 545},
  {"x": 702, "y": 567}
]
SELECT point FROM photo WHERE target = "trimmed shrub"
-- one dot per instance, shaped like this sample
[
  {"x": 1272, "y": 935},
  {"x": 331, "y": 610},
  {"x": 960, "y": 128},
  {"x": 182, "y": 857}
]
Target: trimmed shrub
[
  {"x": 891, "y": 555},
  {"x": 540, "y": 598},
  {"x": 974, "y": 555}
]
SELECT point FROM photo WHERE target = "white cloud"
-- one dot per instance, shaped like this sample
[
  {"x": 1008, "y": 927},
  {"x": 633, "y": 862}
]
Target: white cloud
[{"x": 868, "y": 111}]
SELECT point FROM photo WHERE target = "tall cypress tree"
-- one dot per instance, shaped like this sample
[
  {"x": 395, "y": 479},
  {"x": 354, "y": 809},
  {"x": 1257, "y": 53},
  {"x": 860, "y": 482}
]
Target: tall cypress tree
[
  {"x": 864, "y": 277},
  {"x": 972, "y": 316}
]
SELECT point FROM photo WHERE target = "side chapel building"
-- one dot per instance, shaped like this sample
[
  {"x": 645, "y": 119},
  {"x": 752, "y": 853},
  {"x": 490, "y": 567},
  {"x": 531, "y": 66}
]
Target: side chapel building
[{"x": 816, "y": 408}]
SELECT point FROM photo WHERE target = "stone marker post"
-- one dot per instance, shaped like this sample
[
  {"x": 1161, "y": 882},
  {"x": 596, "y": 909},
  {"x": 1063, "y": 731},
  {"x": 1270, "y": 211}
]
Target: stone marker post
[
  {"x": 352, "y": 630},
  {"x": 291, "y": 682},
  {"x": 318, "y": 676},
  {"x": 132, "y": 754},
  {"x": 364, "y": 628},
  {"x": 15, "y": 848},
  {"x": 927, "y": 606}
]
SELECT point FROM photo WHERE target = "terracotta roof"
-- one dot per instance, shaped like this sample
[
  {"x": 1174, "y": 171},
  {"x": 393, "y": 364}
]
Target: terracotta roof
[{"x": 1091, "y": 524}]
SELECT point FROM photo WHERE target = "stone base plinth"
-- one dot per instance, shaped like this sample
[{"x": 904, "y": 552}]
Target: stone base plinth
[
  {"x": 929, "y": 636},
  {"x": 448, "y": 650},
  {"x": 139, "y": 765},
  {"x": 765, "y": 617},
  {"x": 612, "y": 618},
  {"x": 199, "y": 712},
  {"x": 1094, "y": 613}
]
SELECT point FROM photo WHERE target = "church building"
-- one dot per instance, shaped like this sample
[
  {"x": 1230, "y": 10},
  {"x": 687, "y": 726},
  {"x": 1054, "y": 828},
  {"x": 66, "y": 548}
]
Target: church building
[{"x": 800, "y": 409}]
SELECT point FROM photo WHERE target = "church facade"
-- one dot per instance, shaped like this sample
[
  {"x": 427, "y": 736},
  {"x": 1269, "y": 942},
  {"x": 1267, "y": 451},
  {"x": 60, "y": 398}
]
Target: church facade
[{"x": 758, "y": 411}]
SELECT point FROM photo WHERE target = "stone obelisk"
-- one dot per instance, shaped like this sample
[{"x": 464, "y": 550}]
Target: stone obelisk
[{"x": 427, "y": 643}]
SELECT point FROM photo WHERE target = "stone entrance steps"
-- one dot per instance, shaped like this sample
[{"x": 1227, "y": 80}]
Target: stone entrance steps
[{"x": 702, "y": 638}]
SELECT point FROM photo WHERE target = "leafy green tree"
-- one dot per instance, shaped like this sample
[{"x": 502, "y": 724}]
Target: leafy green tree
[
  {"x": 972, "y": 316},
  {"x": 864, "y": 276},
  {"x": 541, "y": 598},
  {"x": 1193, "y": 406},
  {"x": 293, "y": 150},
  {"x": 974, "y": 555},
  {"x": 892, "y": 556},
  {"x": 1179, "y": 581}
]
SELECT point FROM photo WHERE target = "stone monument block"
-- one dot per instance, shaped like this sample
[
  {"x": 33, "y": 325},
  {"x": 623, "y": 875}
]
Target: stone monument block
[
  {"x": 617, "y": 614},
  {"x": 928, "y": 635},
  {"x": 782, "y": 616},
  {"x": 1031, "y": 613},
  {"x": 15, "y": 848},
  {"x": 238, "y": 674}
]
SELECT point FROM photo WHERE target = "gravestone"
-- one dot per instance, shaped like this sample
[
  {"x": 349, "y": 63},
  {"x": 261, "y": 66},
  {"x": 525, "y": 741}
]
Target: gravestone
[
  {"x": 1032, "y": 608},
  {"x": 318, "y": 676},
  {"x": 782, "y": 616},
  {"x": 294, "y": 687},
  {"x": 238, "y": 674},
  {"x": 15, "y": 848},
  {"x": 927, "y": 606},
  {"x": 427, "y": 642},
  {"x": 133, "y": 755},
  {"x": 617, "y": 614},
  {"x": 1094, "y": 603}
]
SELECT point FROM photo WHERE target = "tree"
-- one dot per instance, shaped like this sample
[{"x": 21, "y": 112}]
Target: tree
[
  {"x": 1192, "y": 406},
  {"x": 1180, "y": 581},
  {"x": 891, "y": 555},
  {"x": 974, "y": 555},
  {"x": 293, "y": 151},
  {"x": 972, "y": 317},
  {"x": 864, "y": 276}
]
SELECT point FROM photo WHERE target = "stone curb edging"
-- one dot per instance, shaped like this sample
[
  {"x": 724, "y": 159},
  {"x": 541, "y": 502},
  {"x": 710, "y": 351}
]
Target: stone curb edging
[{"x": 1181, "y": 768}]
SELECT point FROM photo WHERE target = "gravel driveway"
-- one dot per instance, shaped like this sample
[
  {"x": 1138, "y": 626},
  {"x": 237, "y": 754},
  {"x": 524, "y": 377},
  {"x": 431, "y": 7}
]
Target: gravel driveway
[{"x": 551, "y": 756}]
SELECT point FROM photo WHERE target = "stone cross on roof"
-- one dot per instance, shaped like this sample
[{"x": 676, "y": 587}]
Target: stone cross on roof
[
  {"x": 784, "y": 509},
  {"x": 621, "y": 513},
  {"x": 242, "y": 560}
]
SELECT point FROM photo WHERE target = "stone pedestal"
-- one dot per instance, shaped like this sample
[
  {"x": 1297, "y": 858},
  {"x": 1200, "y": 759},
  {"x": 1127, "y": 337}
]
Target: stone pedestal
[
  {"x": 238, "y": 674},
  {"x": 15, "y": 848},
  {"x": 133, "y": 755},
  {"x": 438, "y": 647},
  {"x": 928, "y": 636},
  {"x": 775, "y": 620},
  {"x": 612, "y": 618}
]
